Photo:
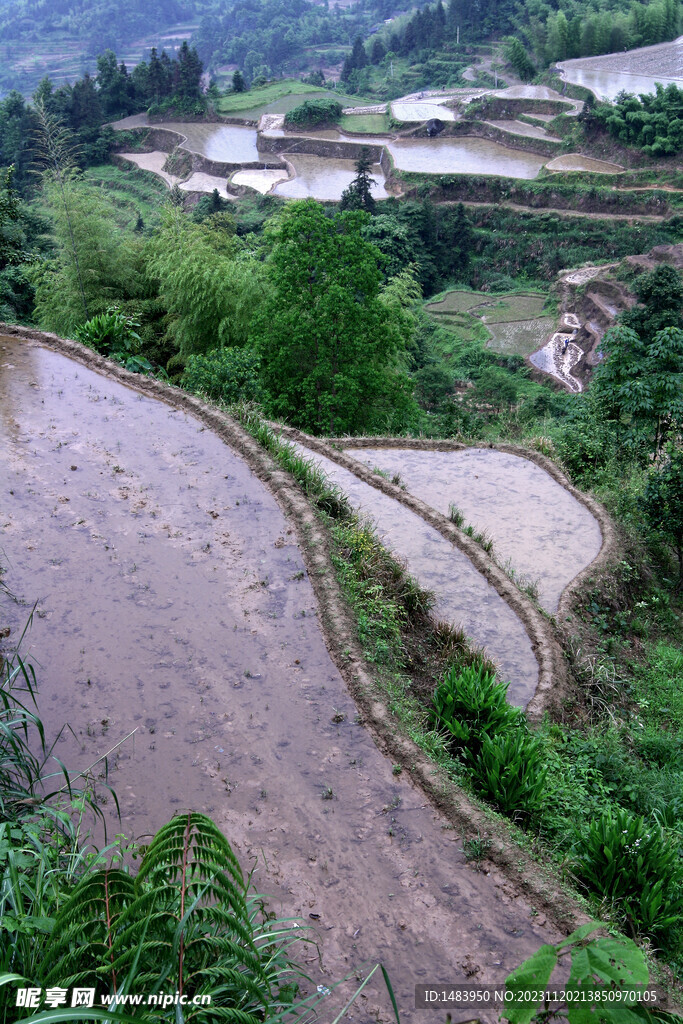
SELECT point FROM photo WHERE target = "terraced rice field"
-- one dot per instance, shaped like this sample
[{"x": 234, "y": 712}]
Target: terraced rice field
[
  {"x": 514, "y": 322},
  {"x": 173, "y": 602},
  {"x": 538, "y": 528}
]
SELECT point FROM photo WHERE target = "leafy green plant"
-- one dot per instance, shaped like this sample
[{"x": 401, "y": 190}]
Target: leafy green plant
[
  {"x": 314, "y": 112},
  {"x": 470, "y": 703},
  {"x": 630, "y": 862},
  {"x": 113, "y": 334},
  {"x": 224, "y": 375},
  {"x": 490, "y": 737},
  {"x": 511, "y": 772},
  {"x": 185, "y": 923},
  {"x": 604, "y": 964}
]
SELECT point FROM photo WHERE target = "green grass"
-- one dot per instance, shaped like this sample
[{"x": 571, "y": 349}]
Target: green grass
[
  {"x": 495, "y": 308},
  {"x": 456, "y": 302},
  {"x": 366, "y": 123},
  {"x": 131, "y": 191},
  {"x": 263, "y": 96},
  {"x": 659, "y": 689},
  {"x": 278, "y": 98}
]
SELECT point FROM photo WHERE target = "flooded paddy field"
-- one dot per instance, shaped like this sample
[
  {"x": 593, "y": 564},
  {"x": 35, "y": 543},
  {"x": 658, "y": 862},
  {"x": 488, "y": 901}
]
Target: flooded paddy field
[
  {"x": 226, "y": 143},
  {"x": 520, "y": 336},
  {"x": 538, "y": 526},
  {"x": 465, "y": 155},
  {"x": 260, "y": 180},
  {"x": 416, "y": 110},
  {"x": 172, "y": 598},
  {"x": 634, "y": 71},
  {"x": 579, "y": 162},
  {"x": 324, "y": 178},
  {"x": 462, "y": 594}
]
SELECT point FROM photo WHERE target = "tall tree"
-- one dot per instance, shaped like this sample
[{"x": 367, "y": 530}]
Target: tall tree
[
  {"x": 92, "y": 265},
  {"x": 358, "y": 195},
  {"x": 332, "y": 350}
]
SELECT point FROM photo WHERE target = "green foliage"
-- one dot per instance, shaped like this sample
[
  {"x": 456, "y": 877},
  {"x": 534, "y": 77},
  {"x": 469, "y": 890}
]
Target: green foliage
[
  {"x": 516, "y": 55},
  {"x": 210, "y": 281},
  {"x": 506, "y": 764},
  {"x": 358, "y": 195},
  {"x": 470, "y": 703},
  {"x": 613, "y": 966},
  {"x": 92, "y": 265},
  {"x": 312, "y": 113},
  {"x": 652, "y": 122},
  {"x": 113, "y": 334},
  {"x": 186, "y": 923},
  {"x": 331, "y": 349},
  {"x": 641, "y": 383},
  {"x": 511, "y": 772},
  {"x": 632, "y": 864},
  {"x": 225, "y": 375},
  {"x": 663, "y": 501}
]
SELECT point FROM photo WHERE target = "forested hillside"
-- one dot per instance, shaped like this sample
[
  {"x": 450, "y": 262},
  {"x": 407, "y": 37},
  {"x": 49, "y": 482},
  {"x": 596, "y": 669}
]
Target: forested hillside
[{"x": 97, "y": 23}]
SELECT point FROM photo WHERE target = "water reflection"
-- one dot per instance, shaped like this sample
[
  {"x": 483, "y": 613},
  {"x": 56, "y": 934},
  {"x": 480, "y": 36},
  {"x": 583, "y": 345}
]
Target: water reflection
[
  {"x": 324, "y": 178},
  {"x": 466, "y": 155}
]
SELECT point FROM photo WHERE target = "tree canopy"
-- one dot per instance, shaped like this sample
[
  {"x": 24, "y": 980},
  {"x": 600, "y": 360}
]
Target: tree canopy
[{"x": 331, "y": 349}]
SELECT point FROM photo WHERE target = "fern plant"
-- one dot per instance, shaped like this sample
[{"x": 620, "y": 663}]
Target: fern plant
[{"x": 185, "y": 924}]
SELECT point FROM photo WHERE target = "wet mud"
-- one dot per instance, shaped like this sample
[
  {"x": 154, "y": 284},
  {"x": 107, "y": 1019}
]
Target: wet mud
[
  {"x": 537, "y": 526},
  {"x": 462, "y": 594},
  {"x": 172, "y": 598}
]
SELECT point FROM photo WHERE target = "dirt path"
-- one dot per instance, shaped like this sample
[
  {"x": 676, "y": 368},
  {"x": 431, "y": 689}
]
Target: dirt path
[
  {"x": 560, "y": 213},
  {"x": 172, "y": 597}
]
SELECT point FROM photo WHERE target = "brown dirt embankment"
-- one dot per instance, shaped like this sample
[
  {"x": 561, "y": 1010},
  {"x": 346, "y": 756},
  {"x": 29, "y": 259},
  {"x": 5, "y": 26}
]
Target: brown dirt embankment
[
  {"x": 524, "y": 875},
  {"x": 480, "y": 130}
]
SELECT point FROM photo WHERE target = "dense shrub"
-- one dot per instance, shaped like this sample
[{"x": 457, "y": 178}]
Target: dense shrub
[
  {"x": 224, "y": 375},
  {"x": 313, "y": 112}
]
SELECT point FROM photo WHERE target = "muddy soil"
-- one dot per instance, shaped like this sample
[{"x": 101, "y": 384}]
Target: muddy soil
[
  {"x": 172, "y": 598},
  {"x": 543, "y": 532},
  {"x": 463, "y": 596}
]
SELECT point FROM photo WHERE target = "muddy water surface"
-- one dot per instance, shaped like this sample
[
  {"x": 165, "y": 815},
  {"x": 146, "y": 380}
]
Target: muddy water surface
[
  {"x": 466, "y": 155},
  {"x": 324, "y": 178},
  {"x": 636, "y": 71},
  {"x": 172, "y": 598},
  {"x": 463, "y": 596},
  {"x": 228, "y": 143},
  {"x": 546, "y": 534}
]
